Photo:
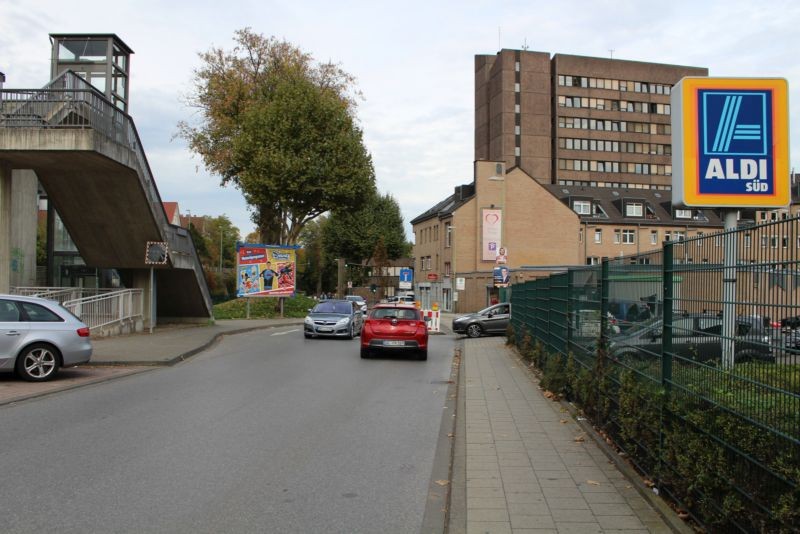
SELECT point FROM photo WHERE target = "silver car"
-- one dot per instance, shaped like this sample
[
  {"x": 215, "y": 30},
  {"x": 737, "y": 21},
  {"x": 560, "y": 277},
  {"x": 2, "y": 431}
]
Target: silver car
[
  {"x": 360, "y": 302},
  {"x": 38, "y": 336},
  {"x": 334, "y": 318}
]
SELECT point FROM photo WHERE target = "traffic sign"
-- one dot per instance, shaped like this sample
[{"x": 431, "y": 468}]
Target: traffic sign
[
  {"x": 406, "y": 278},
  {"x": 730, "y": 142}
]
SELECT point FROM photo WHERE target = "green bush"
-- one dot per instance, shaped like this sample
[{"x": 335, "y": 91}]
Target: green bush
[
  {"x": 724, "y": 444},
  {"x": 264, "y": 308}
]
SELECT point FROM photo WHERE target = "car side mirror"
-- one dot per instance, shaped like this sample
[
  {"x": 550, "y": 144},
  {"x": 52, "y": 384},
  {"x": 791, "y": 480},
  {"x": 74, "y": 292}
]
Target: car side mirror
[{"x": 489, "y": 315}]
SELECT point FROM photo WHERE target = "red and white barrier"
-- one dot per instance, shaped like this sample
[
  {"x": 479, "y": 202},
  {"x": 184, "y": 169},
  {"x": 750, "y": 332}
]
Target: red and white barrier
[{"x": 435, "y": 317}]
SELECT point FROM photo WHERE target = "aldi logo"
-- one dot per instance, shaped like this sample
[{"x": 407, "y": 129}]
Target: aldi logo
[{"x": 730, "y": 142}]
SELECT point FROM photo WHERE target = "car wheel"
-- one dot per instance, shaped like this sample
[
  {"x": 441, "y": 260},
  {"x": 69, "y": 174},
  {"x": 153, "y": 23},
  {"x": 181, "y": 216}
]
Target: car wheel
[
  {"x": 364, "y": 353},
  {"x": 351, "y": 334},
  {"x": 474, "y": 330},
  {"x": 37, "y": 363},
  {"x": 423, "y": 355}
]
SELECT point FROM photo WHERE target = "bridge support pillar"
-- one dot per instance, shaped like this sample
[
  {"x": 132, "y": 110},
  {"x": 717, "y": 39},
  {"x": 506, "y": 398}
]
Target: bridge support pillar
[
  {"x": 24, "y": 225},
  {"x": 141, "y": 280},
  {"x": 5, "y": 226},
  {"x": 19, "y": 206}
]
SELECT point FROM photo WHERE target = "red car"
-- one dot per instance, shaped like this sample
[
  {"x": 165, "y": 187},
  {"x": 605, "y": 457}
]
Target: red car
[{"x": 395, "y": 327}]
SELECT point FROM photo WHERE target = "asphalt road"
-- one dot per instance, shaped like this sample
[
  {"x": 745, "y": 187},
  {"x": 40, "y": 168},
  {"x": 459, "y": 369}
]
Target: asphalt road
[{"x": 265, "y": 432}]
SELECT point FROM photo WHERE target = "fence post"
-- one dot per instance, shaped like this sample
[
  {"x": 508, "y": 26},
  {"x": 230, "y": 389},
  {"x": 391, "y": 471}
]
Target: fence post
[
  {"x": 603, "y": 283},
  {"x": 666, "y": 324}
]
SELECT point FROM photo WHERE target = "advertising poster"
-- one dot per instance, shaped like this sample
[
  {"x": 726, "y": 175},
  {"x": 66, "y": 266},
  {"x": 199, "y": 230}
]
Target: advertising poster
[
  {"x": 265, "y": 270},
  {"x": 501, "y": 276},
  {"x": 492, "y": 226}
]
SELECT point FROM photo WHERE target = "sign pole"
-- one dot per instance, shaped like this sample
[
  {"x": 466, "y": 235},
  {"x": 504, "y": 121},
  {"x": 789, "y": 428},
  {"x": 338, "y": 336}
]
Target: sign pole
[
  {"x": 152, "y": 300},
  {"x": 729, "y": 288}
]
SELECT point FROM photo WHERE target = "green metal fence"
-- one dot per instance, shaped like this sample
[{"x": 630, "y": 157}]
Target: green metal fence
[{"x": 690, "y": 363}]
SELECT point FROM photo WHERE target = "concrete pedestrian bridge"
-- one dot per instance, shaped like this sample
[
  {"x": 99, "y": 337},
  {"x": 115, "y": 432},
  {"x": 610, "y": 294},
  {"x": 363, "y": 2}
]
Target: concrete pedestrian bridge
[{"x": 88, "y": 157}]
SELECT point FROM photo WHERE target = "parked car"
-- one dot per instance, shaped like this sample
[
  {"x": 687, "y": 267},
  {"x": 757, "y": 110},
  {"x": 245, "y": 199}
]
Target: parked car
[
  {"x": 586, "y": 323},
  {"x": 695, "y": 336},
  {"x": 395, "y": 328},
  {"x": 39, "y": 336},
  {"x": 360, "y": 302},
  {"x": 333, "y": 318},
  {"x": 790, "y": 323},
  {"x": 402, "y": 299},
  {"x": 491, "y": 320}
]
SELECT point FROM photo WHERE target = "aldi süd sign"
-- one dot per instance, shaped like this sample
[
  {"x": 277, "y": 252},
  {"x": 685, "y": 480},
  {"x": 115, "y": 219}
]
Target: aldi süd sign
[{"x": 730, "y": 142}]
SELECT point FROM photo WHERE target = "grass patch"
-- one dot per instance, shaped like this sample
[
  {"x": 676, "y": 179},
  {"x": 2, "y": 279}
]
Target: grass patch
[{"x": 264, "y": 308}]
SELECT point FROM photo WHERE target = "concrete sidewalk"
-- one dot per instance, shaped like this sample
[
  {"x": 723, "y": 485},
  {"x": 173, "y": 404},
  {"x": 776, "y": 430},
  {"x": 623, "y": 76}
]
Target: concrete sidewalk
[
  {"x": 526, "y": 464},
  {"x": 172, "y": 343}
]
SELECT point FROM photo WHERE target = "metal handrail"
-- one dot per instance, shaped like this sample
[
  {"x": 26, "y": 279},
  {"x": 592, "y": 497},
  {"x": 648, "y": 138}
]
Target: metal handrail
[
  {"x": 59, "y": 294},
  {"x": 116, "y": 307}
]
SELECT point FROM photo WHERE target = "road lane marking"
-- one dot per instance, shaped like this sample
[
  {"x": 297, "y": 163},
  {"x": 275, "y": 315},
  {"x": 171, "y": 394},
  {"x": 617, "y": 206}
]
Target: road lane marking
[{"x": 284, "y": 333}]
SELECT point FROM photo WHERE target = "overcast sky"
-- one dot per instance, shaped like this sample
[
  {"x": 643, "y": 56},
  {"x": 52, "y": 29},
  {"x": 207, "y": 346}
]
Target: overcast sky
[{"x": 413, "y": 61}]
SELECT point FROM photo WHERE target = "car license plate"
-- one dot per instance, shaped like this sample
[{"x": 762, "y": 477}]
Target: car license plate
[
  {"x": 325, "y": 329},
  {"x": 391, "y": 343}
]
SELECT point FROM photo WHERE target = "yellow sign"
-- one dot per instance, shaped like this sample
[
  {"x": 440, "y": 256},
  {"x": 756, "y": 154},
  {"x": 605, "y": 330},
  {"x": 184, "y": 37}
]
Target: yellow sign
[{"x": 730, "y": 142}]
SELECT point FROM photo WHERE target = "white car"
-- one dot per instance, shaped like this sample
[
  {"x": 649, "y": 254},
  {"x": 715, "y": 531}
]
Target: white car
[
  {"x": 39, "y": 336},
  {"x": 360, "y": 302}
]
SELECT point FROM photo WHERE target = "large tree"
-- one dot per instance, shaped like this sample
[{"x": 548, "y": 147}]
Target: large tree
[
  {"x": 355, "y": 234},
  {"x": 281, "y": 128}
]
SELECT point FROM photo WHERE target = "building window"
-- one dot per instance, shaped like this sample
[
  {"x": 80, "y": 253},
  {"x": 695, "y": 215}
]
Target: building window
[
  {"x": 592, "y": 260},
  {"x": 582, "y": 207},
  {"x": 617, "y": 236},
  {"x": 516, "y": 88},
  {"x": 598, "y": 236},
  {"x": 448, "y": 235},
  {"x": 628, "y": 237},
  {"x": 683, "y": 214},
  {"x": 678, "y": 235},
  {"x": 516, "y": 108},
  {"x": 517, "y": 151},
  {"x": 633, "y": 209},
  {"x": 447, "y": 269},
  {"x": 653, "y": 237}
]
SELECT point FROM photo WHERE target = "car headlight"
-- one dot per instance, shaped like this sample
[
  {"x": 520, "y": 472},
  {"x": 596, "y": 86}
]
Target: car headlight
[
  {"x": 309, "y": 320},
  {"x": 343, "y": 322}
]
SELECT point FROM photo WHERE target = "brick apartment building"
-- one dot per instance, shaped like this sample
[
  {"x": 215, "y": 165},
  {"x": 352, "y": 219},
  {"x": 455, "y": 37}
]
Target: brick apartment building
[{"x": 572, "y": 163}]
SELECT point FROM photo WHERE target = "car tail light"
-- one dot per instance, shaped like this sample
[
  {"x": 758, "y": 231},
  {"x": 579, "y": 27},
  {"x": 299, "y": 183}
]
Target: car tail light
[{"x": 83, "y": 332}]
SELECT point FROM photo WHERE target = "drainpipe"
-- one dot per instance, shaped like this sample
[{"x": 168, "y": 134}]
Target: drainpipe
[{"x": 2, "y": 81}]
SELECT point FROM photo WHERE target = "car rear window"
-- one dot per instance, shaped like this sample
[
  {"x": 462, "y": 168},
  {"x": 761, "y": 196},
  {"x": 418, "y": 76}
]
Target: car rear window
[
  {"x": 39, "y": 314},
  {"x": 395, "y": 313}
]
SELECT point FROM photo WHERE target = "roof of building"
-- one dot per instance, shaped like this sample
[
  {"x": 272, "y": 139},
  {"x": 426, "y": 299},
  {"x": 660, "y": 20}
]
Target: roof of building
[
  {"x": 608, "y": 206},
  {"x": 170, "y": 208},
  {"x": 461, "y": 195},
  {"x": 89, "y": 36}
]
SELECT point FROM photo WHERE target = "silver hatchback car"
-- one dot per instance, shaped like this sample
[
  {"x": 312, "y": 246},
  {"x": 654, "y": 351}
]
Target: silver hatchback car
[{"x": 38, "y": 336}]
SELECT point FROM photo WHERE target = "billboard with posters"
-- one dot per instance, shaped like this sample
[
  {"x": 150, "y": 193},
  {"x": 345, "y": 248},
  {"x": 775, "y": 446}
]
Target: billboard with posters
[{"x": 265, "y": 270}]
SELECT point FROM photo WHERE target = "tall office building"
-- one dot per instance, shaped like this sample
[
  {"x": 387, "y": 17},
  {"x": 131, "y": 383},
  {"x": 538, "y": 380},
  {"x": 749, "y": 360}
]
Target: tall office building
[{"x": 575, "y": 120}]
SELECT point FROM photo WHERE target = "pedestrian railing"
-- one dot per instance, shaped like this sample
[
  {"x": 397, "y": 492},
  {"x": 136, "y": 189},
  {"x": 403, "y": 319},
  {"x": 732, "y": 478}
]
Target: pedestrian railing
[
  {"x": 59, "y": 294},
  {"x": 107, "y": 309}
]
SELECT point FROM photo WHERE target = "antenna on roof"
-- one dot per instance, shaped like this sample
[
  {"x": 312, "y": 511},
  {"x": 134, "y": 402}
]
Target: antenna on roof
[
  {"x": 525, "y": 44},
  {"x": 499, "y": 43},
  {"x": 611, "y": 51}
]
